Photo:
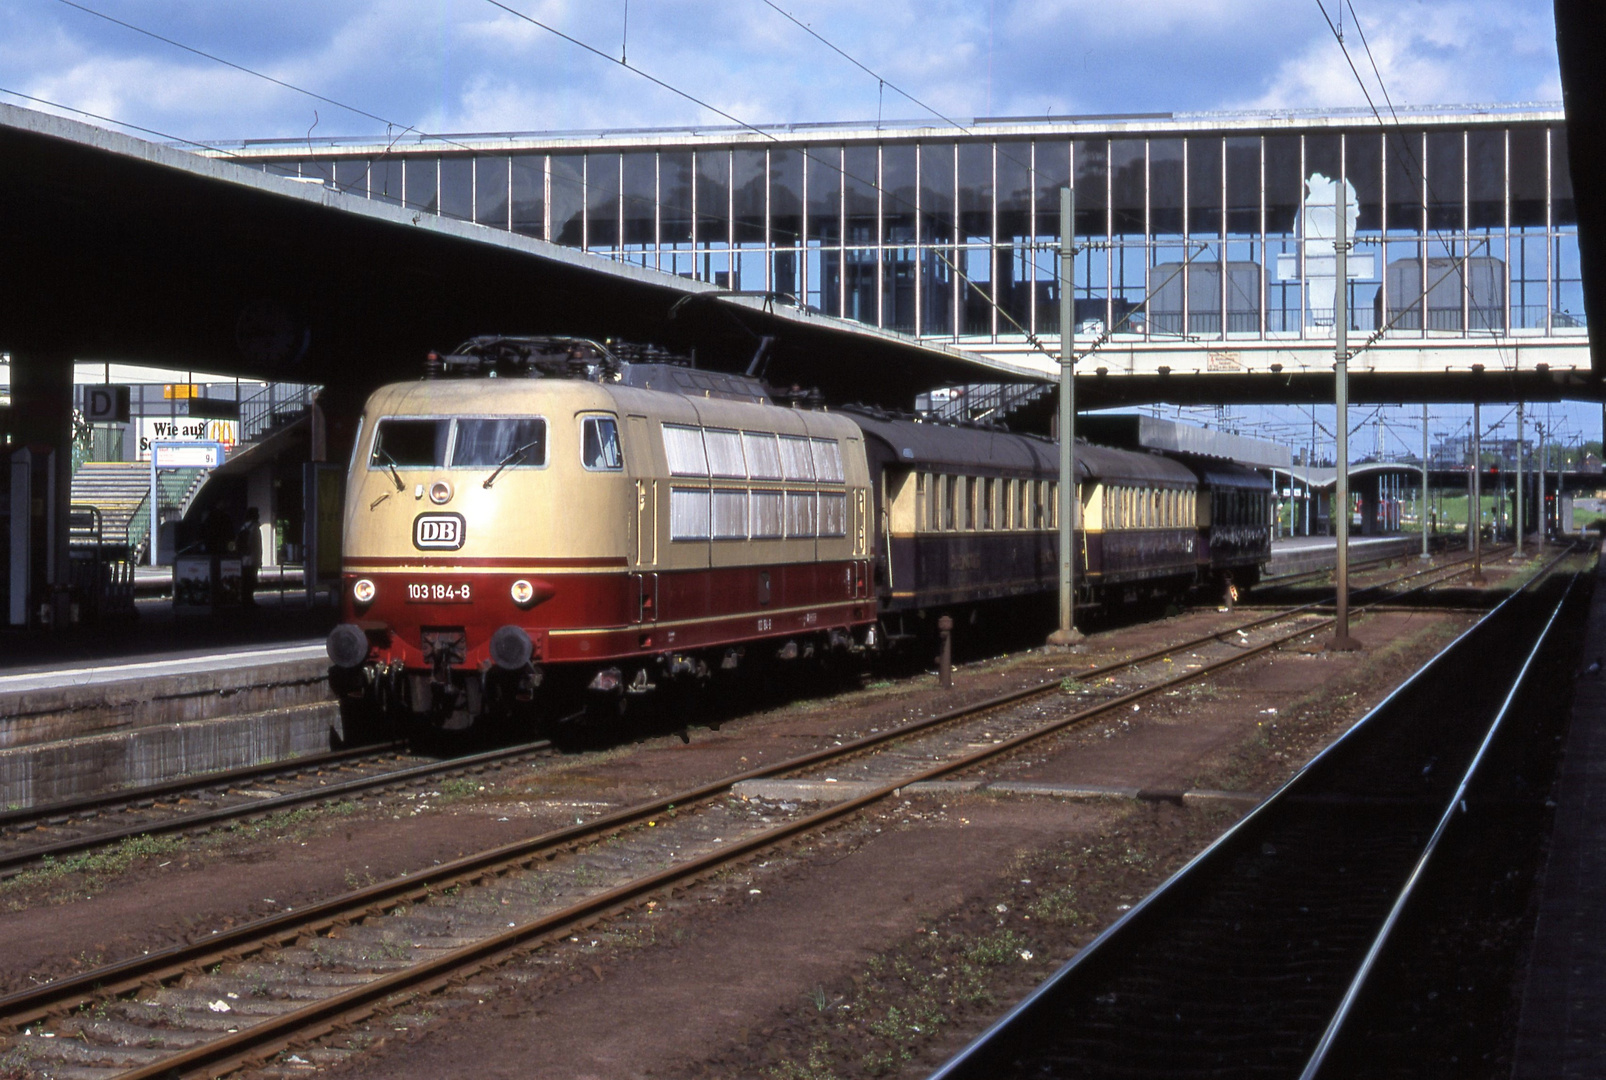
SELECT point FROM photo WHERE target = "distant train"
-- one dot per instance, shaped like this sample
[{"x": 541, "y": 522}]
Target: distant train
[{"x": 546, "y": 515}]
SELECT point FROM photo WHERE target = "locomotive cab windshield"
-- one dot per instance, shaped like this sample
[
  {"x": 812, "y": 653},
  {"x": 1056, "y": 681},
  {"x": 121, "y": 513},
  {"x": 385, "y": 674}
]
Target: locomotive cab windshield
[{"x": 459, "y": 443}]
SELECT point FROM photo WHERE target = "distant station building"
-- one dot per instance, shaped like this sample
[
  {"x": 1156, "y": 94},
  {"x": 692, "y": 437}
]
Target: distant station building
[{"x": 1207, "y": 238}]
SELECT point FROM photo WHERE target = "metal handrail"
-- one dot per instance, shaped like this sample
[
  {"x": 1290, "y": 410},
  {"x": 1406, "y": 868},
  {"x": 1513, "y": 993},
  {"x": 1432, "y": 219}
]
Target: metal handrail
[{"x": 272, "y": 404}]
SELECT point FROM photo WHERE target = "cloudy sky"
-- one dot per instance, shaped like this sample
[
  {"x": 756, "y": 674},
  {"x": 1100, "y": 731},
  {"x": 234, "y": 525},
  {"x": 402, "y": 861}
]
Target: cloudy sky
[{"x": 475, "y": 65}]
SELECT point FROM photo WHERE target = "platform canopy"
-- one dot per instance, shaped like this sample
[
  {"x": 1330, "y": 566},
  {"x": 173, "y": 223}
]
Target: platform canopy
[
  {"x": 121, "y": 249},
  {"x": 1580, "y": 41}
]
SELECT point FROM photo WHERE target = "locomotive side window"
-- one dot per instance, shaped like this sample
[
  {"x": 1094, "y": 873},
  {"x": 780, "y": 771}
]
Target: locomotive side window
[
  {"x": 688, "y": 514},
  {"x": 724, "y": 453},
  {"x": 765, "y": 515},
  {"x": 599, "y": 443},
  {"x": 833, "y": 514},
  {"x": 410, "y": 443},
  {"x": 827, "y": 460},
  {"x": 801, "y": 514},
  {"x": 763, "y": 455},
  {"x": 730, "y": 515},
  {"x": 797, "y": 459},
  {"x": 683, "y": 447},
  {"x": 490, "y": 443}
]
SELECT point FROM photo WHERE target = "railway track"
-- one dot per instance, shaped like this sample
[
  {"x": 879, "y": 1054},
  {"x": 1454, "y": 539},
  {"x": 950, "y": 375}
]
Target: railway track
[
  {"x": 246, "y": 994},
  {"x": 1254, "y": 958},
  {"x": 205, "y": 802},
  {"x": 31, "y": 835}
]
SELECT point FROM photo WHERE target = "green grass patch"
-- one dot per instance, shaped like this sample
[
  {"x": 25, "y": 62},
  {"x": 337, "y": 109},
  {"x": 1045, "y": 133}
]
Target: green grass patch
[{"x": 97, "y": 866}]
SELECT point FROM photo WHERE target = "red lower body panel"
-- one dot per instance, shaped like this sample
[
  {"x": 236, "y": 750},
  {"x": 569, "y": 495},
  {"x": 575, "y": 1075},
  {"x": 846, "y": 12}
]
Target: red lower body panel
[{"x": 595, "y": 617}]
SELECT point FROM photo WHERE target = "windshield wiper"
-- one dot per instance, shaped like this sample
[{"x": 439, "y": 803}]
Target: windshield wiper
[
  {"x": 391, "y": 464},
  {"x": 513, "y": 456}
]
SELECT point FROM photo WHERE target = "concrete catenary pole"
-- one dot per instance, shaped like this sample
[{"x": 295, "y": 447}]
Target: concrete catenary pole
[
  {"x": 1543, "y": 505},
  {"x": 1067, "y": 634},
  {"x": 1422, "y": 515},
  {"x": 1341, "y": 506},
  {"x": 1520, "y": 520},
  {"x": 1475, "y": 491}
]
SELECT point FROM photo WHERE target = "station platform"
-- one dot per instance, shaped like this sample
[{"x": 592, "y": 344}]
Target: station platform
[
  {"x": 1562, "y": 1027},
  {"x": 1292, "y": 556},
  {"x": 168, "y": 693}
]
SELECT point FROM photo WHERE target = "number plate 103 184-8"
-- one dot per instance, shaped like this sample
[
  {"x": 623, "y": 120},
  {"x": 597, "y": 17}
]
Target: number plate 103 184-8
[{"x": 438, "y": 592}]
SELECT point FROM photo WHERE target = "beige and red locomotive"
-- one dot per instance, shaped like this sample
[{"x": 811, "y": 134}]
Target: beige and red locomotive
[{"x": 618, "y": 524}]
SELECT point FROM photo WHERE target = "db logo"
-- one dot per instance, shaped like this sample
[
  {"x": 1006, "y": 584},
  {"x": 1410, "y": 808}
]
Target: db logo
[{"x": 438, "y": 532}]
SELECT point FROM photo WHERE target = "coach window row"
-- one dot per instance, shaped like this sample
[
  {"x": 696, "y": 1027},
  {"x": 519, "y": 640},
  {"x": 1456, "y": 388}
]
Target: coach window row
[
  {"x": 1231, "y": 507},
  {"x": 950, "y": 503},
  {"x": 1147, "y": 508},
  {"x": 741, "y": 514}
]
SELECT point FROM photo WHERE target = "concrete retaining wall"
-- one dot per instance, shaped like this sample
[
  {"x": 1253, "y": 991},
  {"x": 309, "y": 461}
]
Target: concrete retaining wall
[
  {"x": 73, "y": 712},
  {"x": 52, "y": 771}
]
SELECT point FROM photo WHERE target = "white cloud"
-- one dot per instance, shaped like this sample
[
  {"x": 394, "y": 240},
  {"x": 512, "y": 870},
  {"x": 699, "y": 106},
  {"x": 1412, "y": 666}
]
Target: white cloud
[
  {"x": 1460, "y": 53},
  {"x": 463, "y": 65}
]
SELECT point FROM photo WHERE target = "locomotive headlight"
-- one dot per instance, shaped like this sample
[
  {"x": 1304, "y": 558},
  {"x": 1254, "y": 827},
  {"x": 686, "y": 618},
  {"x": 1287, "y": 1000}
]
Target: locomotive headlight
[
  {"x": 362, "y": 591},
  {"x": 523, "y": 592}
]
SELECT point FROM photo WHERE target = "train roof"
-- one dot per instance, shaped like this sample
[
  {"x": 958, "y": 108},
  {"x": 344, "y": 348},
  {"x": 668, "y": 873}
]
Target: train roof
[
  {"x": 559, "y": 396},
  {"x": 920, "y": 442},
  {"x": 648, "y": 367},
  {"x": 1229, "y": 474}
]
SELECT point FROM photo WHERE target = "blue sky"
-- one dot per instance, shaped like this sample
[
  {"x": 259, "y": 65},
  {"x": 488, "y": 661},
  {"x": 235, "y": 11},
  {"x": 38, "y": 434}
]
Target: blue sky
[
  {"x": 471, "y": 66},
  {"x": 468, "y": 65}
]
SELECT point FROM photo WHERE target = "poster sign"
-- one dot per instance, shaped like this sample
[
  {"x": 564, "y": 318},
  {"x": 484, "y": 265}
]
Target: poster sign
[
  {"x": 185, "y": 429},
  {"x": 187, "y": 455}
]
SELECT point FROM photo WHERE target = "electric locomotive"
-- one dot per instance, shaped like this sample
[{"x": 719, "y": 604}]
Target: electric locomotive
[{"x": 539, "y": 509}]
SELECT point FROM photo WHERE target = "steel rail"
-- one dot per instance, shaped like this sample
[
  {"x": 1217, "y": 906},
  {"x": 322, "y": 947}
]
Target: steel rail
[
  {"x": 195, "y": 782},
  {"x": 273, "y": 1034},
  {"x": 239, "y": 1049},
  {"x": 1456, "y": 802},
  {"x": 13, "y": 862},
  {"x": 27, "y": 1006},
  {"x": 956, "y": 1067}
]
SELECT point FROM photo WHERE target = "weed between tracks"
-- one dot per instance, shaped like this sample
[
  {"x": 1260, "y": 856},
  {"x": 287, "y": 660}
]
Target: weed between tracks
[
  {"x": 1296, "y": 730},
  {"x": 78, "y": 877},
  {"x": 911, "y": 1004}
]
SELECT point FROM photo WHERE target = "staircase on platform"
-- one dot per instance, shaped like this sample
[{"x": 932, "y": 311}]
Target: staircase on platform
[
  {"x": 115, "y": 488},
  {"x": 988, "y": 402},
  {"x": 121, "y": 491},
  {"x": 271, "y": 409}
]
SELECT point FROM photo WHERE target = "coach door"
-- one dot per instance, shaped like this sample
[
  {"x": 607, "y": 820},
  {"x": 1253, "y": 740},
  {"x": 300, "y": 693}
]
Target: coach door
[{"x": 643, "y": 466}]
